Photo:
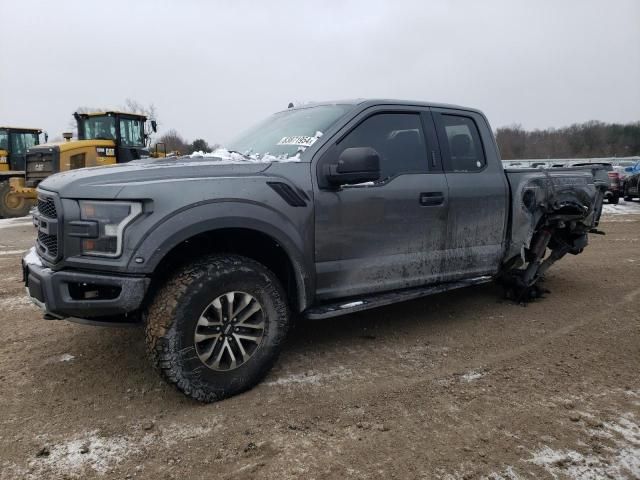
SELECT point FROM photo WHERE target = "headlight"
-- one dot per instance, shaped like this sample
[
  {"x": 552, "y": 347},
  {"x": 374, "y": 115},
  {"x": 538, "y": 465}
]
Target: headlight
[{"x": 112, "y": 218}]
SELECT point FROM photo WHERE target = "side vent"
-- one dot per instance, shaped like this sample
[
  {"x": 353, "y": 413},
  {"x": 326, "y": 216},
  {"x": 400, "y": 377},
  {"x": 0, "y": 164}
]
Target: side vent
[{"x": 288, "y": 194}]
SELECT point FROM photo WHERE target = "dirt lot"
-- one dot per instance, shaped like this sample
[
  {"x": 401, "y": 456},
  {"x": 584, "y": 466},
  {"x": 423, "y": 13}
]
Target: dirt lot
[{"x": 456, "y": 386}]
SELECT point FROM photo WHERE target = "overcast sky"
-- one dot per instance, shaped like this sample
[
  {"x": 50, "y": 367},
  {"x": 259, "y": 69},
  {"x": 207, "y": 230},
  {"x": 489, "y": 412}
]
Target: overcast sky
[{"x": 212, "y": 68}]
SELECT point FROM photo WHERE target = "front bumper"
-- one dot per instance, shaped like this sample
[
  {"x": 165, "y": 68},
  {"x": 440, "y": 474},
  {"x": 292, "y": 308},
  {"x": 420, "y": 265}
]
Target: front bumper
[{"x": 78, "y": 294}]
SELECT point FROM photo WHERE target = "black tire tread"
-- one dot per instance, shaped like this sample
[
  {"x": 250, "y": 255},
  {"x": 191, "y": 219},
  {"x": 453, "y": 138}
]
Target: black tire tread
[{"x": 161, "y": 314}]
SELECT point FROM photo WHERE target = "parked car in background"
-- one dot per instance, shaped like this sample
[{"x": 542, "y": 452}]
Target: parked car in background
[
  {"x": 614, "y": 192},
  {"x": 631, "y": 187}
]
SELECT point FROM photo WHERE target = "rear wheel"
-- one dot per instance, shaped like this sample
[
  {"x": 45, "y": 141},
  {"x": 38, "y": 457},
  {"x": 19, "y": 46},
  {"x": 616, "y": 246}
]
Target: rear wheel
[
  {"x": 627, "y": 197},
  {"x": 216, "y": 328},
  {"x": 12, "y": 205},
  {"x": 614, "y": 199}
]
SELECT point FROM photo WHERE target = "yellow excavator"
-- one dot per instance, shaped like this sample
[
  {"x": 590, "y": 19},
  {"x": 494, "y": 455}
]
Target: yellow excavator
[
  {"x": 104, "y": 138},
  {"x": 14, "y": 143}
]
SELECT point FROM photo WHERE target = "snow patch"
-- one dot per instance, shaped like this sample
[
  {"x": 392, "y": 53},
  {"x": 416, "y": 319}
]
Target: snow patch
[
  {"x": 16, "y": 222},
  {"x": 11, "y": 252},
  {"x": 508, "y": 474},
  {"x": 310, "y": 378},
  {"x": 93, "y": 452},
  {"x": 32, "y": 258},
  {"x": 100, "y": 454},
  {"x": 622, "y": 208},
  {"x": 14, "y": 303},
  {"x": 223, "y": 156},
  {"x": 472, "y": 375},
  {"x": 620, "y": 463}
]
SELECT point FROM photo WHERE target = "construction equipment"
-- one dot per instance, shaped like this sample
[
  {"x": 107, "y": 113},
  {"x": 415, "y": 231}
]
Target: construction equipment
[
  {"x": 104, "y": 138},
  {"x": 14, "y": 143}
]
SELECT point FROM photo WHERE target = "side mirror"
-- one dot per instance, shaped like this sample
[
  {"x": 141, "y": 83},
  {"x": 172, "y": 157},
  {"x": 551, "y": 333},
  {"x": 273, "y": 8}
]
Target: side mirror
[
  {"x": 154, "y": 126},
  {"x": 355, "y": 165}
]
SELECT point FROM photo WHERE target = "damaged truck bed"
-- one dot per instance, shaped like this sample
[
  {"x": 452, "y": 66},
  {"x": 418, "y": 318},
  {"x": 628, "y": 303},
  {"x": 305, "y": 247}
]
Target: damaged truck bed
[
  {"x": 321, "y": 210},
  {"x": 552, "y": 210}
]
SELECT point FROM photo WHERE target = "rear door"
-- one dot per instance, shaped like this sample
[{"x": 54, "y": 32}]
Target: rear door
[
  {"x": 388, "y": 234},
  {"x": 478, "y": 193}
]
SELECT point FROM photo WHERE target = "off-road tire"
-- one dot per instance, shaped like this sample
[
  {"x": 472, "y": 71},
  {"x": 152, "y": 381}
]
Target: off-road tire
[
  {"x": 173, "y": 314},
  {"x": 10, "y": 211}
]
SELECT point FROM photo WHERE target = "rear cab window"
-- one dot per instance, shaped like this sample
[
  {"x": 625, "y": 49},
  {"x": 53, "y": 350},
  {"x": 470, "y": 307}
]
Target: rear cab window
[{"x": 460, "y": 142}]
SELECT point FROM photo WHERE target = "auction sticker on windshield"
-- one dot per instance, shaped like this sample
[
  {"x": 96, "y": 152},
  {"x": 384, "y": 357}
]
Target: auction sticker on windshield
[{"x": 299, "y": 141}]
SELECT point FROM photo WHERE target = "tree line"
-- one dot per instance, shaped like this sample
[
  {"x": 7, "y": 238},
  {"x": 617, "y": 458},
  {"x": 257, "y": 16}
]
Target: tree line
[
  {"x": 174, "y": 142},
  {"x": 581, "y": 140}
]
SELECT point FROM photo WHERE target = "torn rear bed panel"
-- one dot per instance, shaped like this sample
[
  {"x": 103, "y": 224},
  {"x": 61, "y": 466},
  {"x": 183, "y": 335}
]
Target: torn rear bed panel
[{"x": 569, "y": 194}]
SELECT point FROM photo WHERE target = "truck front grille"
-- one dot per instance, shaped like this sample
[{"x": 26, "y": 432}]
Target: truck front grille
[
  {"x": 48, "y": 244},
  {"x": 48, "y": 220},
  {"x": 47, "y": 207},
  {"x": 39, "y": 166}
]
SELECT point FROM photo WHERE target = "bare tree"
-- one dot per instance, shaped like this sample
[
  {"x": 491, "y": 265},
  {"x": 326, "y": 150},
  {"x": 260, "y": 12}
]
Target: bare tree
[
  {"x": 584, "y": 140},
  {"x": 174, "y": 141}
]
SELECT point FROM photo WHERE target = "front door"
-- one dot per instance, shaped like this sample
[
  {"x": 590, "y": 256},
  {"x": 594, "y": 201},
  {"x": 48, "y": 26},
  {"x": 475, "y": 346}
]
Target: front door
[{"x": 388, "y": 234}]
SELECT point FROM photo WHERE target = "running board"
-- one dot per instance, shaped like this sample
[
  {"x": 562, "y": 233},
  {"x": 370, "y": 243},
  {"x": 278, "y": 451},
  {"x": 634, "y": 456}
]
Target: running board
[{"x": 365, "y": 303}]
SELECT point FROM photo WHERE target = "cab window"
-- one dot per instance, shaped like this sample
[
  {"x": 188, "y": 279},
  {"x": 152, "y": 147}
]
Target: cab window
[
  {"x": 398, "y": 139},
  {"x": 4, "y": 140},
  {"x": 99, "y": 127},
  {"x": 131, "y": 132},
  {"x": 460, "y": 143},
  {"x": 20, "y": 142}
]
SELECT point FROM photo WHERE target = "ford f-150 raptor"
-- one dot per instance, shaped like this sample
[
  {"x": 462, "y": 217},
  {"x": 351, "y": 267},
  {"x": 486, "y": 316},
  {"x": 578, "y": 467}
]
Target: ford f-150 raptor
[{"x": 319, "y": 211}]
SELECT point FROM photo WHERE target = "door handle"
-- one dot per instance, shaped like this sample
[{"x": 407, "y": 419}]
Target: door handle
[{"x": 430, "y": 199}]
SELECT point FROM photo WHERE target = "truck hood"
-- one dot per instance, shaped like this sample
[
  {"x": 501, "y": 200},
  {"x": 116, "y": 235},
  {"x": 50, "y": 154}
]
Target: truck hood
[{"x": 106, "y": 182}]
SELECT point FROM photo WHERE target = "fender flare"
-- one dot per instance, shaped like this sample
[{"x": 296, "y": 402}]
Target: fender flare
[{"x": 213, "y": 215}]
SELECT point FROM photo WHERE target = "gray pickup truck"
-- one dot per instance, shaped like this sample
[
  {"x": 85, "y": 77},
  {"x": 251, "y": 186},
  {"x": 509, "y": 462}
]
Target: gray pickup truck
[{"x": 320, "y": 210}]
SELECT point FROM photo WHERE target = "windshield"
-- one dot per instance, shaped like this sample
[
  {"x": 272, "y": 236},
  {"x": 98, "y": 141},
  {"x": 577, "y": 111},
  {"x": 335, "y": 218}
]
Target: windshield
[
  {"x": 21, "y": 141},
  {"x": 4, "y": 140},
  {"x": 132, "y": 132},
  {"x": 98, "y": 127},
  {"x": 286, "y": 133}
]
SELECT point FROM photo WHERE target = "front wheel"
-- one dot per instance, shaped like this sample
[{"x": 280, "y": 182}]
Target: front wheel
[
  {"x": 614, "y": 199},
  {"x": 11, "y": 205},
  {"x": 216, "y": 327}
]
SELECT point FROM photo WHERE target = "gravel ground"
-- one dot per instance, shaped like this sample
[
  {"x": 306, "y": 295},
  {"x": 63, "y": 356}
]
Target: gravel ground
[{"x": 456, "y": 386}]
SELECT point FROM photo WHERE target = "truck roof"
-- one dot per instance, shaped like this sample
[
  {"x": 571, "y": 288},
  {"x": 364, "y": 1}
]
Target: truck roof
[
  {"x": 111, "y": 112},
  {"x": 21, "y": 129},
  {"x": 365, "y": 102}
]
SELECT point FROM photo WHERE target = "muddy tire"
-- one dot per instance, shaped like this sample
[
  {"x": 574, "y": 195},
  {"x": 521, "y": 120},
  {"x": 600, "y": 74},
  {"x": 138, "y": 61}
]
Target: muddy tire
[
  {"x": 216, "y": 327},
  {"x": 12, "y": 205}
]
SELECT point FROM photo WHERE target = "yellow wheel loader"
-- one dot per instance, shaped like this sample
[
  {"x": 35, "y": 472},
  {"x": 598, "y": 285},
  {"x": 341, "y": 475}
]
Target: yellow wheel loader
[
  {"x": 104, "y": 138},
  {"x": 14, "y": 143}
]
